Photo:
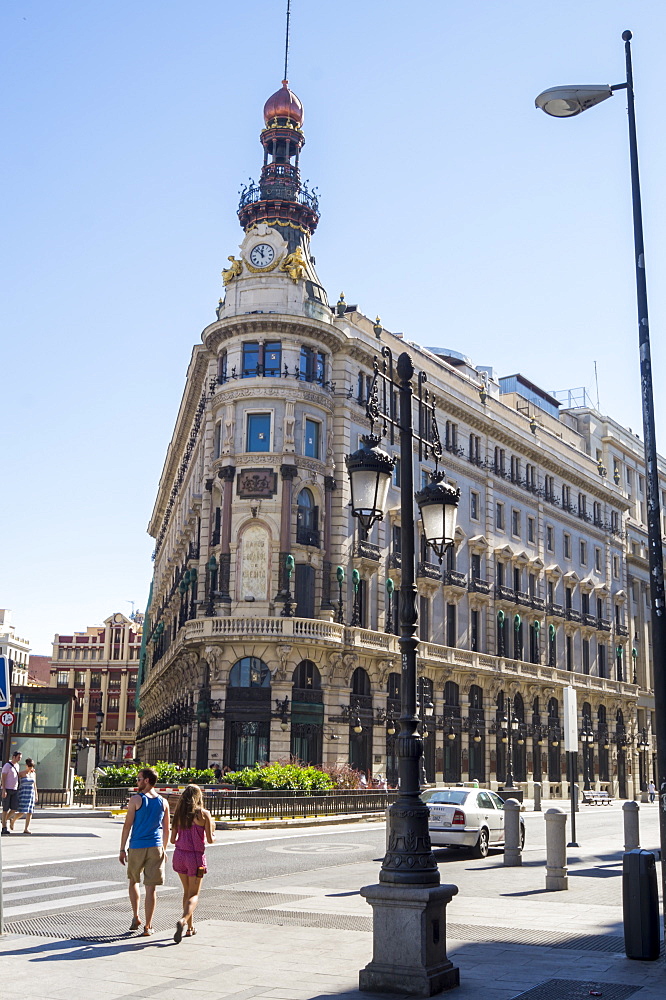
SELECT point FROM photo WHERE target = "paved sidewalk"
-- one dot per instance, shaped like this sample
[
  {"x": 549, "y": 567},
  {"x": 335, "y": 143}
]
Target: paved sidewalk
[{"x": 302, "y": 936}]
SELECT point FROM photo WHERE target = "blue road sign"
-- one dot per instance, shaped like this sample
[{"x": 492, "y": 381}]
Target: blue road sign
[{"x": 5, "y": 696}]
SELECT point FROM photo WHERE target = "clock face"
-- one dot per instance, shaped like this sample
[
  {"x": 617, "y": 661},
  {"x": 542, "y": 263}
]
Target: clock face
[{"x": 262, "y": 255}]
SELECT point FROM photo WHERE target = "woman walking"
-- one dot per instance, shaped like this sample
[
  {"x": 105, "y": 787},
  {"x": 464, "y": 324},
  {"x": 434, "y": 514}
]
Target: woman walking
[
  {"x": 27, "y": 795},
  {"x": 192, "y": 827}
]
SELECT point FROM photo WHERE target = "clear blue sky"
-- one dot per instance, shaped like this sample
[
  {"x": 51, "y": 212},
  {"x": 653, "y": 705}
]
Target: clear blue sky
[{"x": 450, "y": 206}]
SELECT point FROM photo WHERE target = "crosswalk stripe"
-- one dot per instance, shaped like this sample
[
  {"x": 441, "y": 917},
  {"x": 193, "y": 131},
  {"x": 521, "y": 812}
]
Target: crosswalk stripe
[
  {"x": 70, "y": 902},
  {"x": 15, "y": 883},
  {"x": 55, "y": 889}
]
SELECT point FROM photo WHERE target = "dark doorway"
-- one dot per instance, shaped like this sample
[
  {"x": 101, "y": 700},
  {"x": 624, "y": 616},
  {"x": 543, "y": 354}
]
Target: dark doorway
[{"x": 304, "y": 590}]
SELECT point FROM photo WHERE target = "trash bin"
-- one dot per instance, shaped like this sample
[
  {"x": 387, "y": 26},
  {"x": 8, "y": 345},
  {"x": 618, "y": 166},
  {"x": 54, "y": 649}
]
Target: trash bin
[{"x": 640, "y": 905}]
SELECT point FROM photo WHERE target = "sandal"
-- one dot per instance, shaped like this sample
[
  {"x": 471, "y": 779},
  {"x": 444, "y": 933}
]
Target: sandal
[
  {"x": 191, "y": 931},
  {"x": 178, "y": 936},
  {"x": 148, "y": 931},
  {"x": 136, "y": 923}
]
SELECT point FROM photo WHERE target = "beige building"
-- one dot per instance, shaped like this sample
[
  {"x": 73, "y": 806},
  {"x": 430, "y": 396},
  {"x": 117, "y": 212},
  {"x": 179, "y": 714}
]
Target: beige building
[
  {"x": 533, "y": 597},
  {"x": 16, "y": 649},
  {"x": 101, "y": 665}
]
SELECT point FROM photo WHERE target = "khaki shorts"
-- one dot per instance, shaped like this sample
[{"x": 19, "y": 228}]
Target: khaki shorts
[{"x": 150, "y": 861}]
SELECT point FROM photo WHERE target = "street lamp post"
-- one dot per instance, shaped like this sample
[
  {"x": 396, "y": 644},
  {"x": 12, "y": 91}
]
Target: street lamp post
[
  {"x": 564, "y": 102},
  {"x": 340, "y": 576},
  {"x": 510, "y": 724},
  {"x": 587, "y": 739},
  {"x": 99, "y": 719},
  {"x": 409, "y": 904}
]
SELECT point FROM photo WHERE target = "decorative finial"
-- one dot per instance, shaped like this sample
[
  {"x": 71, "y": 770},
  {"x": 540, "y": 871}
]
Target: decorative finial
[
  {"x": 378, "y": 328},
  {"x": 533, "y": 424},
  {"x": 341, "y": 306},
  {"x": 627, "y": 36}
]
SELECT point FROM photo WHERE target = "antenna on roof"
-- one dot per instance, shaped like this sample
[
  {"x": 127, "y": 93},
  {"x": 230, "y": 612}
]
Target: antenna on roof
[
  {"x": 596, "y": 382},
  {"x": 286, "y": 44}
]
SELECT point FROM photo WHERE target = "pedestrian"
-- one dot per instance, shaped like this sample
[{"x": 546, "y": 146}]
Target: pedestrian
[
  {"x": 652, "y": 788},
  {"x": 147, "y": 826},
  {"x": 10, "y": 783},
  {"x": 192, "y": 827},
  {"x": 27, "y": 795}
]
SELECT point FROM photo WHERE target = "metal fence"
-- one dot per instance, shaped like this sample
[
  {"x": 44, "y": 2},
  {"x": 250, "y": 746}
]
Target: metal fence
[{"x": 239, "y": 804}]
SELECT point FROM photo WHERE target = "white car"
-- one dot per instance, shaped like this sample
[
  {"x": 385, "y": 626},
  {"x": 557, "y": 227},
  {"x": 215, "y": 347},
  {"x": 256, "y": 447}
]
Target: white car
[{"x": 467, "y": 817}]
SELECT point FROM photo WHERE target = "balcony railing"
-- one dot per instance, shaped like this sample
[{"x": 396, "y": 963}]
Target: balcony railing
[
  {"x": 504, "y": 593},
  {"x": 555, "y": 610},
  {"x": 307, "y": 536},
  {"x": 479, "y": 586},
  {"x": 430, "y": 571},
  {"x": 395, "y": 560},
  {"x": 621, "y": 630},
  {"x": 537, "y": 603},
  {"x": 604, "y": 624},
  {"x": 589, "y": 619},
  {"x": 523, "y": 598},
  {"x": 367, "y": 550},
  {"x": 455, "y": 579},
  {"x": 574, "y": 615}
]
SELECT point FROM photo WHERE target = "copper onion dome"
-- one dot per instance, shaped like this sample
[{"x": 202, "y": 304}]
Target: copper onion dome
[{"x": 283, "y": 104}]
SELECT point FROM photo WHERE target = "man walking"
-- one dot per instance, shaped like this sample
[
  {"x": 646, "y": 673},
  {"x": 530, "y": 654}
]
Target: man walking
[
  {"x": 10, "y": 783},
  {"x": 147, "y": 821}
]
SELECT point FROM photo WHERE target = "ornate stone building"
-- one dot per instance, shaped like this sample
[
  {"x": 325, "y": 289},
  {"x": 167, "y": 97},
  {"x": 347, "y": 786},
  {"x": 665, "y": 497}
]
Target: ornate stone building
[
  {"x": 251, "y": 655},
  {"x": 101, "y": 666}
]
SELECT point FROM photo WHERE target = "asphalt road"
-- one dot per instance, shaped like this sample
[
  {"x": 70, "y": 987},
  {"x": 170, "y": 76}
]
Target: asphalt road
[{"x": 71, "y": 862}]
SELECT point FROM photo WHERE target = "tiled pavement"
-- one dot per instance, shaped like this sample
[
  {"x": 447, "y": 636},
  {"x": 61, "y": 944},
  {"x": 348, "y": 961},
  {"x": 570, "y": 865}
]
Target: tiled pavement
[{"x": 311, "y": 937}]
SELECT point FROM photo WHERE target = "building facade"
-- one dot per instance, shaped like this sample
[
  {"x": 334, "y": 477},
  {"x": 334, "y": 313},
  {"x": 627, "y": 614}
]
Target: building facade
[
  {"x": 16, "y": 649},
  {"x": 101, "y": 666},
  {"x": 251, "y": 655}
]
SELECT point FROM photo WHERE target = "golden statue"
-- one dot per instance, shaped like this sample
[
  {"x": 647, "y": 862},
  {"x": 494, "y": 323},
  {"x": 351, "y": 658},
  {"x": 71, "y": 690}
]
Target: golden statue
[
  {"x": 294, "y": 265},
  {"x": 229, "y": 273}
]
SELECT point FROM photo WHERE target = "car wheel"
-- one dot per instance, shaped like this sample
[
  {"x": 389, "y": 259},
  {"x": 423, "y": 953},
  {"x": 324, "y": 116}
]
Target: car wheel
[{"x": 481, "y": 846}]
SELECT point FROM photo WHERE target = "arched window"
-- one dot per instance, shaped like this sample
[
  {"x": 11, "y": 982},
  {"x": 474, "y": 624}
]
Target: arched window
[
  {"x": 361, "y": 682},
  {"x": 250, "y": 672},
  {"x": 451, "y": 693},
  {"x": 476, "y": 697},
  {"x": 306, "y": 675},
  {"x": 307, "y": 517},
  {"x": 394, "y": 686}
]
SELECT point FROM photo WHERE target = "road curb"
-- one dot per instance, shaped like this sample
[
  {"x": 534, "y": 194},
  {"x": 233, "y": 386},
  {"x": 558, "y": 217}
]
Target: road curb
[{"x": 278, "y": 824}]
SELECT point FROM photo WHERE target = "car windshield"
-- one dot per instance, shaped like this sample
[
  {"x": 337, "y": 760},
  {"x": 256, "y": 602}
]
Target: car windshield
[{"x": 453, "y": 796}]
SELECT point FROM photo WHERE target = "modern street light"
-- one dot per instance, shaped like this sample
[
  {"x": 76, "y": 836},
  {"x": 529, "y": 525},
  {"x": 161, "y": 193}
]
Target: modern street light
[
  {"x": 565, "y": 102},
  {"x": 401, "y": 913}
]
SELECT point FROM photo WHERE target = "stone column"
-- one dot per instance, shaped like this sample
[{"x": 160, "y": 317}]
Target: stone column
[
  {"x": 227, "y": 475},
  {"x": 288, "y": 474},
  {"x": 630, "y": 811},
  {"x": 512, "y": 846}
]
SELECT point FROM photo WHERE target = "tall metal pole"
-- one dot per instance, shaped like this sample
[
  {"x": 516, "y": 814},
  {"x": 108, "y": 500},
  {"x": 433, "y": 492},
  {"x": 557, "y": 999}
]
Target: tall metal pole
[
  {"x": 656, "y": 559},
  {"x": 509, "y": 746},
  {"x": 409, "y": 859}
]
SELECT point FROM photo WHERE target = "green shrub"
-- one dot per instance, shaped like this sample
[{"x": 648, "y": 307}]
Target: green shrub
[
  {"x": 126, "y": 775},
  {"x": 281, "y": 776}
]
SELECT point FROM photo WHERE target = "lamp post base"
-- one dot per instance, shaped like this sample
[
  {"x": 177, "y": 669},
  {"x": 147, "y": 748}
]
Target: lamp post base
[{"x": 409, "y": 940}]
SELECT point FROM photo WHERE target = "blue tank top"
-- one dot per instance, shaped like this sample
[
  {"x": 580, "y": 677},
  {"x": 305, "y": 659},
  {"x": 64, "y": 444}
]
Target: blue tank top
[{"x": 147, "y": 826}]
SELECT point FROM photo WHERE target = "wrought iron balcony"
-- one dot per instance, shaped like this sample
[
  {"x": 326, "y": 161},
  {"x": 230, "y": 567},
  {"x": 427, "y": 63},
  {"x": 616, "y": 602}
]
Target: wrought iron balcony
[
  {"x": 604, "y": 624},
  {"x": 287, "y": 191},
  {"x": 455, "y": 579},
  {"x": 589, "y": 619},
  {"x": 573, "y": 615},
  {"x": 307, "y": 536},
  {"x": 395, "y": 560},
  {"x": 479, "y": 586},
  {"x": 431, "y": 571},
  {"x": 367, "y": 550},
  {"x": 555, "y": 610},
  {"x": 523, "y": 598},
  {"x": 621, "y": 630},
  {"x": 537, "y": 603},
  {"x": 504, "y": 593}
]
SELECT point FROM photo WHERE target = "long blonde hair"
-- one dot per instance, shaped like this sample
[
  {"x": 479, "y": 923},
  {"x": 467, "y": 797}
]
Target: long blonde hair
[{"x": 190, "y": 806}]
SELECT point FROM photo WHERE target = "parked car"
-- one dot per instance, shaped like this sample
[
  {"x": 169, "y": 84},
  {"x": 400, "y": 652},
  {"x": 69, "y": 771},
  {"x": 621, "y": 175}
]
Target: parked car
[{"x": 467, "y": 817}]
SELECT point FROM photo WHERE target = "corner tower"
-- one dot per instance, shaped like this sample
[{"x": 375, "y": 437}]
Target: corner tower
[{"x": 280, "y": 200}]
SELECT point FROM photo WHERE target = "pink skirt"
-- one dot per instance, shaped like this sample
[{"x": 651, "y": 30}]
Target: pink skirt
[{"x": 187, "y": 862}]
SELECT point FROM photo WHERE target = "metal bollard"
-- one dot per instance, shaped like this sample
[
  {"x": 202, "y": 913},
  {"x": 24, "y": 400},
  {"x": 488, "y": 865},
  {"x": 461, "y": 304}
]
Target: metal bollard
[
  {"x": 556, "y": 850},
  {"x": 640, "y": 905},
  {"x": 512, "y": 848},
  {"x": 537, "y": 796},
  {"x": 630, "y": 812}
]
